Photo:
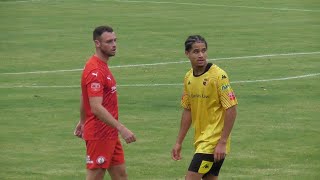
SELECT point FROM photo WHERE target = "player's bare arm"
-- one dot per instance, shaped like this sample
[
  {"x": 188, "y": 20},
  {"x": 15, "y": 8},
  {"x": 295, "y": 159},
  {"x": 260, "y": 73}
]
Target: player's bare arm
[
  {"x": 82, "y": 112},
  {"x": 98, "y": 110},
  {"x": 230, "y": 116},
  {"x": 79, "y": 128},
  {"x": 184, "y": 127}
]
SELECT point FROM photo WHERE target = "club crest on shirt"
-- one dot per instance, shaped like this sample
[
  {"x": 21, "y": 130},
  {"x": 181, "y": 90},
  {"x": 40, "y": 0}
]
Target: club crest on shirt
[{"x": 205, "y": 81}]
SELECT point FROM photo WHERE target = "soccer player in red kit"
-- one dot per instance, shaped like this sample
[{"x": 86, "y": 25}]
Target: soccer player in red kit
[{"x": 99, "y": 125}]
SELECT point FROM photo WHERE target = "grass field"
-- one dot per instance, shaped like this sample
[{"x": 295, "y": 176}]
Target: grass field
[{"x": 270, "y": 49}]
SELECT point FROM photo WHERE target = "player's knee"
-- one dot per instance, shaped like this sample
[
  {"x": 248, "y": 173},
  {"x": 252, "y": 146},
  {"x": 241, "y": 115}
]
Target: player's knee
[
  {"x": 123, "y": 175},
  {"x": 193, "y": 176},
  {"x": 119, "y": 175},
  {"x": 95, "y": 174}
]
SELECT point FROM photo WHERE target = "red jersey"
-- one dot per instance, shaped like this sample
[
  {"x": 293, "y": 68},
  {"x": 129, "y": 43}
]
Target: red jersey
[{"x": 97, "y": 80}]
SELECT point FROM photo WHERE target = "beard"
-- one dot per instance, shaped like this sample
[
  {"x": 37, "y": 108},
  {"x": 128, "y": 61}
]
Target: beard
[{"x": 109, "y": 53}]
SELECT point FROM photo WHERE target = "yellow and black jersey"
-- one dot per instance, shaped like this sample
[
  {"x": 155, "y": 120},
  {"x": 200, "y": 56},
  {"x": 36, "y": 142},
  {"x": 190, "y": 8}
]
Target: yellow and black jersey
[{"x": 208, "y": 96}]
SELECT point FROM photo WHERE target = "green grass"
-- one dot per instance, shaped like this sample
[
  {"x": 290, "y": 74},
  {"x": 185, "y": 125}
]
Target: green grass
[{"x": 276, "y": 135}]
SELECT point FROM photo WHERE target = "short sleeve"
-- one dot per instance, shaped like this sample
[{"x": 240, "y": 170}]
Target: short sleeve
[
  {"x": 94, "y": 83},
  {"x": 185, "y": 101},
  {"x": 227, "y": 95}
]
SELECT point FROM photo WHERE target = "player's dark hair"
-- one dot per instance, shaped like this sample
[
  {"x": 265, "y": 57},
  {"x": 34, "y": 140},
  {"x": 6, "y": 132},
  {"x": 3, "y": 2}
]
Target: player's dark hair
[
  {"x": 100, "y": 30},
  {"x": 194, "y": 39}
]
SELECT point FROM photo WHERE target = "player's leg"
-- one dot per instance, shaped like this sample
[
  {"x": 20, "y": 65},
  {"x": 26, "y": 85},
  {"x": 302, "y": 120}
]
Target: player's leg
[
  {"x": 99, "y": 157},
  {"x": 203, "y": 166},
  {"x": 193, "y": 176},
  {"x": 95, "y": 174},
  {"x": 199, "y": 166},
  {"x": 118, "y": 172},
  {"x": 214, "y": 171},
  {"x": 117, "y": 169},
  {"x": 210, "y": 177}
]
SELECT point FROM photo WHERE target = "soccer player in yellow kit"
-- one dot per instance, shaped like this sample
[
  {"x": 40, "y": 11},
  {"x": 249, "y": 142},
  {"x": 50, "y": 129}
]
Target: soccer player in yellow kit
[{"x": 210, "y": 106}]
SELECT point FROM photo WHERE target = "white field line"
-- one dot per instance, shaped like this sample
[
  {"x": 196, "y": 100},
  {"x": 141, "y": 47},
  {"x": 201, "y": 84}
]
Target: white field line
[
  {"x": 181, "y": 3},
  {"x": 20, "y": 1},
  {"x": 166, "y": 63},
  {"x": 219, "y": 5},
  {"x": 174, "y": 84}
]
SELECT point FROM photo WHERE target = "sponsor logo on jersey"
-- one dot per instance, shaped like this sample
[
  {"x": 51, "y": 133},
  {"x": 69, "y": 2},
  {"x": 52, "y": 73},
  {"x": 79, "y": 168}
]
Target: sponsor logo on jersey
[
  {"x": 223, "y": 76},
  {"x": 113, "y": 89},
  {"x": 199, "y": 96},
  {"x": 95, "y": 86},
  {"x": 225, "y": 86}
]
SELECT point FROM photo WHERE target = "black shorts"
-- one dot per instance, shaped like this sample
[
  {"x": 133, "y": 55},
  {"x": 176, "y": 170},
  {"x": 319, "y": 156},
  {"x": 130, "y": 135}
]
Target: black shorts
[{"x": 204, "y": 164}]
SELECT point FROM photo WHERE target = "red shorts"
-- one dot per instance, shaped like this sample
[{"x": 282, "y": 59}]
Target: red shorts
[{"x": 104, "y": 153}]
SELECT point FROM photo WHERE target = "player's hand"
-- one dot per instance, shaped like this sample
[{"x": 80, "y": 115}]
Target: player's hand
[
  {"x": 220, "y": 151},
  {"x": 78, "y": 131},
  {"x": 176, "y": 152},
  {"x": 126, "y": 134}
]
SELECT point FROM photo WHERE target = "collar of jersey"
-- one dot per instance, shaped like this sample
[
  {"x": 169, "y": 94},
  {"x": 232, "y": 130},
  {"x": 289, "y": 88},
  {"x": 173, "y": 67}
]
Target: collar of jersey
[{"x": 207, "y": 69}]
